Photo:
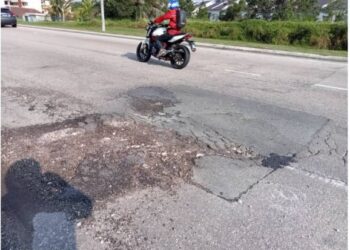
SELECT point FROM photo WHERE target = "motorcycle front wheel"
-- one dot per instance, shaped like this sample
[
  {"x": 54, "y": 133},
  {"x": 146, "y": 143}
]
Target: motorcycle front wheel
[
  {"x": 181, "y": 57},
  {"x": 143, "y": 53}
]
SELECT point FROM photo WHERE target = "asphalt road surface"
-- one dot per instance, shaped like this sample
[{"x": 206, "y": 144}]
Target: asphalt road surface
[{"x": 272, "y": 173}]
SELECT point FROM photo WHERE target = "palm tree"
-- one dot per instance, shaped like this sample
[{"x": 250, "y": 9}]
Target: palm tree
[
  {"x": 148, "y": 8},
  {"x": 85, "y": 10},
  {"x": 60, "y": 7}
]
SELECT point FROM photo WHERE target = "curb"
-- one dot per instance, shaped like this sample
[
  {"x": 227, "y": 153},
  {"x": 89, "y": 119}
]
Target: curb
[
  {"x": 274, "y": 52},
  {"x": 207, "y": 45}
]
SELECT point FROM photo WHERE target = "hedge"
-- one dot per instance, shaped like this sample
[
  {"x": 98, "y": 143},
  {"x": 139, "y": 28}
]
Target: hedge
[{"x": 321, "y": 35}]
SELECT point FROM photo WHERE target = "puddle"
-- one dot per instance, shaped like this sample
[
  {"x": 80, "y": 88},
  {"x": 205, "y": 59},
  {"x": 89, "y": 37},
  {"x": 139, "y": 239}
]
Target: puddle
[
  {"x": 151, "y": 100},
  {"x": 276, "y": 161}
]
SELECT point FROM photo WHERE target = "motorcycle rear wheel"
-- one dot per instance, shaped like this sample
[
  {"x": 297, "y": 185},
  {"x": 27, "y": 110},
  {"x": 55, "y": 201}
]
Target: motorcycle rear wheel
[
  {"x": 143, "y": 54},
  {"x": 181, "y": 57}
]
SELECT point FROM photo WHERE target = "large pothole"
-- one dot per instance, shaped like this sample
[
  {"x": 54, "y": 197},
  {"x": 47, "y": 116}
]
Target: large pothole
[
  {"x": 102, "y": 155},
  {"x": 60, "y": 172}
]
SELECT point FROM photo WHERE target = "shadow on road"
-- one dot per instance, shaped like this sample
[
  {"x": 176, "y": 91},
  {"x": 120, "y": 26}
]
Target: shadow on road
[
  {"x": 152, "y": 61},
  {"x": 40, "y": 209}
]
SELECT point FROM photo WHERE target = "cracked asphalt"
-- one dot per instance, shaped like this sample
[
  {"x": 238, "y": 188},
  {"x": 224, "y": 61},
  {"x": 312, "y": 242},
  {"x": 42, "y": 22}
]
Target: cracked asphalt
[{"x": 237, "y": 151}]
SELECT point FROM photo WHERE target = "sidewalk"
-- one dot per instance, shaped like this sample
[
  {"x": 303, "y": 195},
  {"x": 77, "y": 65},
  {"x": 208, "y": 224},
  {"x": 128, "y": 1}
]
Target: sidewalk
[{"x": 208, "y": 45}]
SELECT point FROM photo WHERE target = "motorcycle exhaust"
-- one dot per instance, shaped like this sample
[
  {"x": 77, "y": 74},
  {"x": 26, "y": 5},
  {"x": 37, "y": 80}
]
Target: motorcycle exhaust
[{"x": 193, "y": 47}]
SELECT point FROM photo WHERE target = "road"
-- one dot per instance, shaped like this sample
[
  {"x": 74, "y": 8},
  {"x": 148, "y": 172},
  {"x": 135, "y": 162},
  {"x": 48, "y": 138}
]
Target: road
[{"x": 270, "y": 133}]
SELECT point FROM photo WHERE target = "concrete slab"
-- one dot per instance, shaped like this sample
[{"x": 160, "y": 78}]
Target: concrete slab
[
  {"x": 227, "y": 178},
  {"x": 326, "y": 154},
  {"x": 284, "y": 211},
  {"x": 297, "y": 211}
]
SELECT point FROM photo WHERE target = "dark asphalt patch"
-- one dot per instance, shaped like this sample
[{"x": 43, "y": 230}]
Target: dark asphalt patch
[
  {"x": 151, "y": 100},
  {"x": 276, "y": 161}
]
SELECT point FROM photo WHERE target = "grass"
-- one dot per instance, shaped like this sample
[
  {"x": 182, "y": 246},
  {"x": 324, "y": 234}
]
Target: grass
[
  {"x": 289, "y": 48},
  {"x": 132, "y": 28}
]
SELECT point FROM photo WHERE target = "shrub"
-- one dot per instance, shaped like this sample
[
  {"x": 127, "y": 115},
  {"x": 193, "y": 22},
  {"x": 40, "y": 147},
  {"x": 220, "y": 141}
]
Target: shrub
[
  {"x": 281, "y": 36},
  {"x": 258, "y": 30},
  {"x": 338, "y": 36},
  {"x": 318, "y": 35},
  {"x": 314, "y": 34},
  {"x": 300, "y": 35}
]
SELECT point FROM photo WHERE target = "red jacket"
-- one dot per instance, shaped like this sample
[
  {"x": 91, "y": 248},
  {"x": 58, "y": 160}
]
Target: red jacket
[{"x": 171, "y": 16}]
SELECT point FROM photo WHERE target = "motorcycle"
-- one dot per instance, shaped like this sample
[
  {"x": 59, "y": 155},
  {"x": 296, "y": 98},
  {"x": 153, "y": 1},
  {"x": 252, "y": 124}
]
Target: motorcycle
[{"x": 176, "y": 52}]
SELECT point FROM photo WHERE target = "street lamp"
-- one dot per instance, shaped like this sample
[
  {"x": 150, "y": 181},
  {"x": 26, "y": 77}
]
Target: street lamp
[{"x": 103, "y": 16}]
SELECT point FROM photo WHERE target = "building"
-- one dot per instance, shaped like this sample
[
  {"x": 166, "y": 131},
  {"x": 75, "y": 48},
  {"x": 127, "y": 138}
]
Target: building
[
  {"x": 28, "y": 10},
  {"x": 218, "y": 8},
  {"x": 339, "y": 8},
  {"x": 27, "y": 4},
  {"x": 215, "y": 8}
]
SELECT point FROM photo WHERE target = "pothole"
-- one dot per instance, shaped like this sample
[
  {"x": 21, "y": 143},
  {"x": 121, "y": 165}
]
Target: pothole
[
  {"x": 103, "y": 155},
  {"x": 151, "y": 100}
]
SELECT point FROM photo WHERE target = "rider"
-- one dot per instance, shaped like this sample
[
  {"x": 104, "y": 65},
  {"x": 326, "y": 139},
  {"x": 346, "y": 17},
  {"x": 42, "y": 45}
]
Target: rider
[{"x": 173, "y": 6}]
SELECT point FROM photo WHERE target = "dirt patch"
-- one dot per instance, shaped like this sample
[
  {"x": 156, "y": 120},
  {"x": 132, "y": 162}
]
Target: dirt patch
[
  {"x": 74, "y": 167},
  {"x": 103, "y": 155}
]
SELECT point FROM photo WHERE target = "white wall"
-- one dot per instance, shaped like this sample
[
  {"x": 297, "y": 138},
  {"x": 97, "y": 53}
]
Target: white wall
[{"x": 33, "y": 4}]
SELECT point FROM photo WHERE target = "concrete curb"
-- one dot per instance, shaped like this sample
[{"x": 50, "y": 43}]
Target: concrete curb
[{"x": 207, "y": 45}]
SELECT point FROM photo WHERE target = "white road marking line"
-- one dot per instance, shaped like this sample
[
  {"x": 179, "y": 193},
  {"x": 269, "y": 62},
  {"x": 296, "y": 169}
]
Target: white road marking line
[
  {"x": 335, "y": 183},
  {"x": 241, "y": 72},
  {"x": 329, "y": 87}
]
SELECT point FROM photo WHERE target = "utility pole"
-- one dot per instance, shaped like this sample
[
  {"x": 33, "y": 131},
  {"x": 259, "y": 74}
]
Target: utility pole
[{"x": 103, "y": 16}]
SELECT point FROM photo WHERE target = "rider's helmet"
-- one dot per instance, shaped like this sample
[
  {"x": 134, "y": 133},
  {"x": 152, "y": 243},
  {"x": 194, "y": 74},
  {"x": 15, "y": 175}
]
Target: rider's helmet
[{"x": 173, "y": 4}]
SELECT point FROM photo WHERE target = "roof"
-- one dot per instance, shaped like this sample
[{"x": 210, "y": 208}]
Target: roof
[
  {"x": 19, "y": 12},
  {"x": 207, "y": 3},
  {"x": 218, "y": 6},
  {"x": 323, "y": 2}
]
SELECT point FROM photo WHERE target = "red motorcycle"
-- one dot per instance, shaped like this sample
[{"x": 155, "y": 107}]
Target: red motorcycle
[{"x": 176, "y": 51}]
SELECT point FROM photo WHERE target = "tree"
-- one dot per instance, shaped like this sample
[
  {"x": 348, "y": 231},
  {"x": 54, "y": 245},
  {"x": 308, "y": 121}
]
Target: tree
[
  {"x": 260, "y": 8},
  {"x": 119, "y": 9},
  {"x": 283, "y": 10},
  {"x": 84, "y": 12},
  {"x": 187, "y": 6},
  {"x": 306, "y": 9},
  {"x": 234, "y": 11},
  {"x": 60, "y": 7},
  {"x": 203, "y": 12},
  {"x": 153, "y": 8},
  {"x": 134, "y": 8},
  {"x": 337, "y": 10}
]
